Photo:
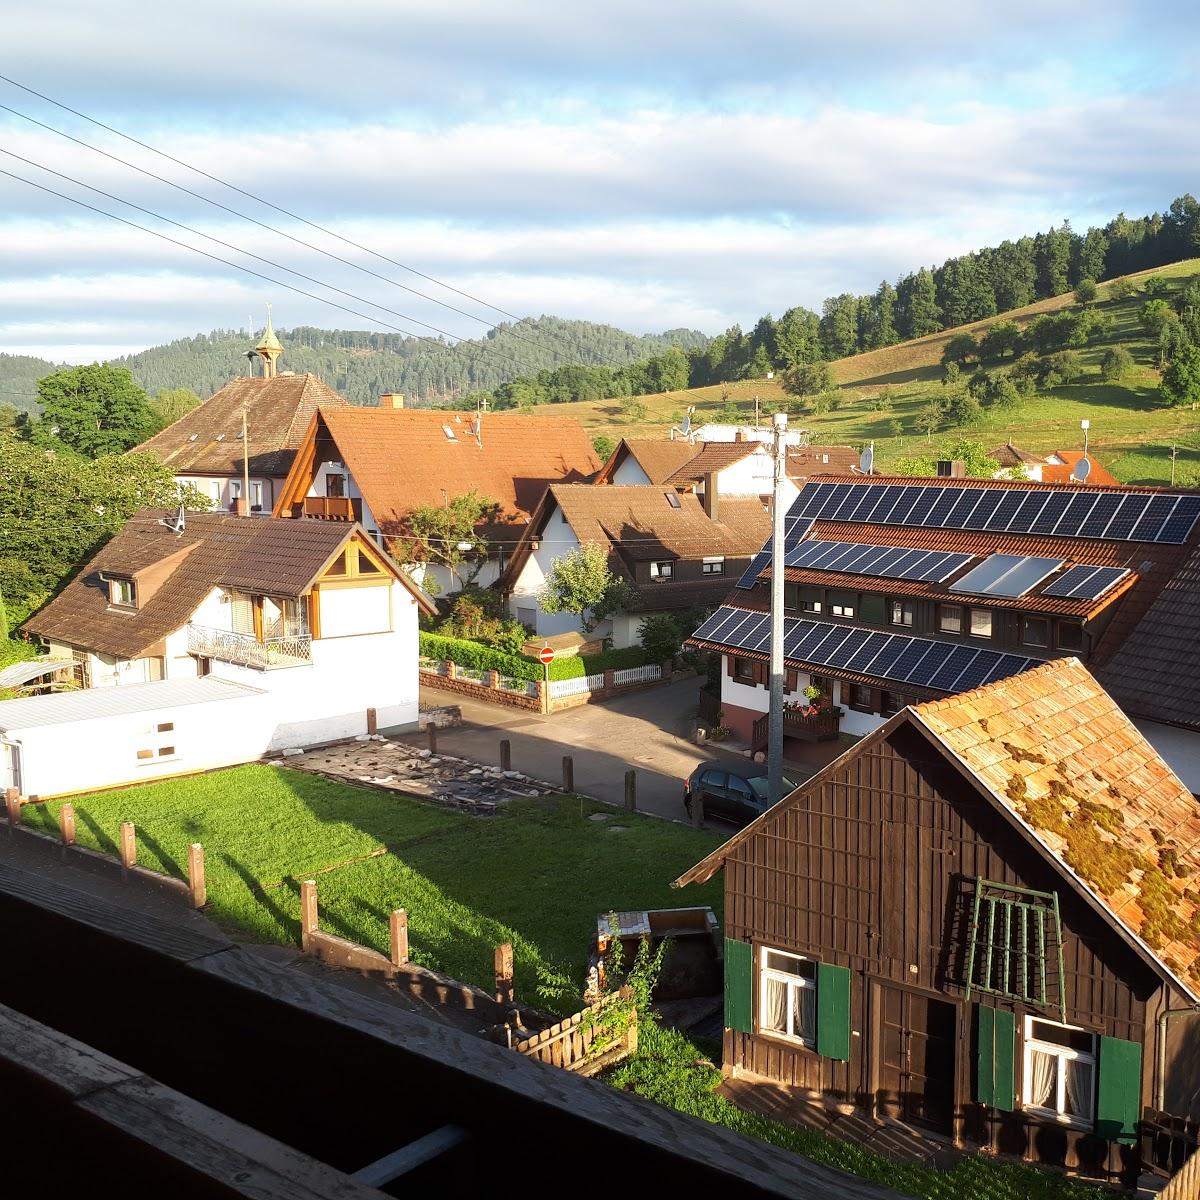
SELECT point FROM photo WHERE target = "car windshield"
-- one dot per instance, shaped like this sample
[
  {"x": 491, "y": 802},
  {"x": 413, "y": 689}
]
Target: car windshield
[{"x": 762, "y": 788}]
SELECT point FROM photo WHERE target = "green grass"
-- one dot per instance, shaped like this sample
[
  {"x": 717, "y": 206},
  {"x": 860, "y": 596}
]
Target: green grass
[
  {"x": 537, "y": 875},
  {"x": 674, "y": 1072}
]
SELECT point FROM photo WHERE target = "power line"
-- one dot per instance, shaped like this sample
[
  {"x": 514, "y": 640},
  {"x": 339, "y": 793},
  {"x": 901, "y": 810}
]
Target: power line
[
  {"x": 249, "y": 254},
  {"x": 224, "y": 261},
  {"x": 253, "y": 220}
]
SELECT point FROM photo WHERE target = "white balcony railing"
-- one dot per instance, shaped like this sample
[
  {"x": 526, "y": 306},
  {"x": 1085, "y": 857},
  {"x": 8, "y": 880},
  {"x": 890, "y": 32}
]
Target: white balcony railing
[{"x": 247, "y": 651}]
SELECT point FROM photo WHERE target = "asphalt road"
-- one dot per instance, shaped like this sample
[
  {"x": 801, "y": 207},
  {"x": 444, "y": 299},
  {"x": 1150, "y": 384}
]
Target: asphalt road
[{"x": 649, "y": 731}]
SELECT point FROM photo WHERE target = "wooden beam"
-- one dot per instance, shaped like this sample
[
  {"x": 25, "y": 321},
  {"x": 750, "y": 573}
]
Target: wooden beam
[
  {"x": 408, "y": 1158},
  {"x": 196, "y": 882},
  {"x": 504, "y": 973},
  {"x": 66, "y": 824},
  {"x": 398, "y": 936},
  {"x": 128, "y": 847},
  {"x": 308, "y": 910}
]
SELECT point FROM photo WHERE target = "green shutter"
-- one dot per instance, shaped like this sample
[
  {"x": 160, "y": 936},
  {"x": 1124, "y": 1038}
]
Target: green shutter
[
  {"x": 739, "y": 986},
  {"x": 872, "y": 608},
  {"x": 1119, "y": 1103},
  {"x": 833, "y": 1011},
  {"x": 996, "y": 1036}
]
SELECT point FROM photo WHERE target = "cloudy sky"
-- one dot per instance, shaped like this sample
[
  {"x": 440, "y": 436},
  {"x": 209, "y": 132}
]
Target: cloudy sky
[{"x": 647, "y": 164}]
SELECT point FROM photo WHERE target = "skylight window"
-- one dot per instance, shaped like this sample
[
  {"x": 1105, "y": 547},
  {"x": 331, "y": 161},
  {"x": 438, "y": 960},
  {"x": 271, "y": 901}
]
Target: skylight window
[
  {"x": 449, "y": 433},
  {"x": 672, "y": 499}
]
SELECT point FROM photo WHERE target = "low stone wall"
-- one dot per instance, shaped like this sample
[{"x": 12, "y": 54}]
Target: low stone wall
[{"x": 489, "y": 690}]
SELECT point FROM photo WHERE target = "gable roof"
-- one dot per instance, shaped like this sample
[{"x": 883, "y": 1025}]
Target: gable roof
[
  {"x": 207, "y": 440},
  {"x": 260, "y": 554},
  {"x": 402, "y": 459},
  {"x": 1009, "y": 455},
  {"x": 1061, "y": 472},
  {"x": 1054, "y": 752},
  {"x": 1154, "y": 672},
  {"x": 805, "y": 461},
  {"x": 715, "y": 456},
  {"x": 658, "y": 457}
]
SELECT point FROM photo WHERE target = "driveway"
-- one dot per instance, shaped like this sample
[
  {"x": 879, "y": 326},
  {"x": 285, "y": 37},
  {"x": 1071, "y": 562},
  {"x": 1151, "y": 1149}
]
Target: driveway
[{"x": 649, "y": 731}]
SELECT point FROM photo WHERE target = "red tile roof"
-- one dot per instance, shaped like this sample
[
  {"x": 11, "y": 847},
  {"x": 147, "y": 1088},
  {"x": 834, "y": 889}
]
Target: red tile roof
[
  {"x": 1062, "y": 472},
  {"x": 658, "y": 457},
  {"x": 207, "y": 440},
  {"x": 803, "y": 462},
  {"x": 713, "y": 456}
]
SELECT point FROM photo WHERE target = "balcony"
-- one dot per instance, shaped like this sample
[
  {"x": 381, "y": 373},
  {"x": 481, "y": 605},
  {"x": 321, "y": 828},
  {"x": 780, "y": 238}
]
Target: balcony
[
  {"x": 247, "y": 651},
  {"x": 823, "y": 726},
  {"x": 332, "y": 508}
]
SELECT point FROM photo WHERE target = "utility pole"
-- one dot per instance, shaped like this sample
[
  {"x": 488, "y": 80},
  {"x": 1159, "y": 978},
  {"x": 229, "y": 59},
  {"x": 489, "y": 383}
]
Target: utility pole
[
  {"x": 775, "y": 719},
  {"x": 1174, "y": 456}
]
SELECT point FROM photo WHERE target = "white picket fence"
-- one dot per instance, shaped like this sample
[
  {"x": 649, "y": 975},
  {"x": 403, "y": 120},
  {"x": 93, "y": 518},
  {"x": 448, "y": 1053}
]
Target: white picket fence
[
  {"x": 645, "y": 674},
  {"x": 577, "y": 686}
]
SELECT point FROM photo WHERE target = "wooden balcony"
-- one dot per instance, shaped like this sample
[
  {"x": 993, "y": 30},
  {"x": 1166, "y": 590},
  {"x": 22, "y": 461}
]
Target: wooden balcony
[
  {"x": 822, "y": 727},
  {"x": 332, "y": 508}
]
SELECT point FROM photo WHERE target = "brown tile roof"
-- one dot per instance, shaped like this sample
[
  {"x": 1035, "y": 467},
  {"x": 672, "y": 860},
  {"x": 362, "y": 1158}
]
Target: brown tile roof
[
  {"x": 1061, "y": 472},
  {"x": 260, "y": 554},
  {"x": 402, "y": 459},
  {"x": 1052, "y": 747},
  {"x": 658, "y": 457},
  {"x": 713, "y": 456},
  {"x": 1155, "y": 672},
  {"x": 806, "y": 461},
  {"x": 1009, "y": 455},
  {"x": 278, "y": 414}
]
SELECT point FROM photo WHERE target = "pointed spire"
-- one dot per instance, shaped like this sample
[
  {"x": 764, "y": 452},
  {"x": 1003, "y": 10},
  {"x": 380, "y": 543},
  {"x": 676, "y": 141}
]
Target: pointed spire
[{"x": 269, "y": 348}]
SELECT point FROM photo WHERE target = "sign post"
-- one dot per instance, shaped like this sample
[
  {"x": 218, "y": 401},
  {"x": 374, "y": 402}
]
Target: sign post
[{"x": 546, "y": 657}]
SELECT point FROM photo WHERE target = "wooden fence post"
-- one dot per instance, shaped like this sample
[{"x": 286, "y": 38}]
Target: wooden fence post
[
  {"x": 372, "y": 721},
  {"x": 308, "y": 911},
  {"x": 196, "y": 875},
  {"x": 505, "y": 754},
  {"x": 631, "y": 790},
  {"x": 698, "y": 812},
  {"x": 398, "y": 936},
  {"x": 568, "y": 774},
  {"x": 504, "y": 973},
  {"x": 66, "y": 824},
  {"x": 12, "y": 803},
  {"x": 128, "y": 845},
  {"x": 432, "y": 731}
]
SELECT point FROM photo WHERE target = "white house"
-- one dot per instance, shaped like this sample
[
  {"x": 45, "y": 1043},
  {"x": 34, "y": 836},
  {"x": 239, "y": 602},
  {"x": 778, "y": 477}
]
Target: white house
[{"x": 224, "y": 640}]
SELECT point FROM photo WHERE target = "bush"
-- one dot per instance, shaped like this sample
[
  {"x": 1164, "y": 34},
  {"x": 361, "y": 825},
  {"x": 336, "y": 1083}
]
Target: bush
[
  {"x": 660, "y": 637},
  {"x": 1115, "y": 364},
  {"x": 1085, "y": 291},
  {"x": 805, "y": 379},
  {"x": 1122, "y": 289},
  {"x": 516, "y": 666},
  {"x": 604, "y": 446},
  {"x": 1060, "y": 368}
]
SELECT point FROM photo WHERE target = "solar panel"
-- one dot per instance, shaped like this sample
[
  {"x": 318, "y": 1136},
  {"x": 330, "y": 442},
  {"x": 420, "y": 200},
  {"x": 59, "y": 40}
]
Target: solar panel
[
  {"x": 1025, "y": 576},
  {"x": 1085, "y": 583},
  {"x": 987, "y": 573},
  {"x": 884, "y": 562},
  {"x": 755, "y": 569},
  {"x": 952, "y": 666}
]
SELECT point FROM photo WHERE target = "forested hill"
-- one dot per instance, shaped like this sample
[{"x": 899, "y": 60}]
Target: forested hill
[
  {"x": 19, "y": 374},
  {"x": 362, "y": 365}
]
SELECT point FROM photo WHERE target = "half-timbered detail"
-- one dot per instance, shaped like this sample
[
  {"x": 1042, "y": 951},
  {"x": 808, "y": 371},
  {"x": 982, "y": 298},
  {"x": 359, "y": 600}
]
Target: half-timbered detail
[{"x": 978, "y": 921}]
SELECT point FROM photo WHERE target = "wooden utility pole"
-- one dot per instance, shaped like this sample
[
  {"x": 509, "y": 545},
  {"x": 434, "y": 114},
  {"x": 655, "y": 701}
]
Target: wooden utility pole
[{"x": 775, "y": 704}]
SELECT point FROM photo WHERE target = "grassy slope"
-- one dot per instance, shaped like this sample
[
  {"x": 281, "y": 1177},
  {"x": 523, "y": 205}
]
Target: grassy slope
[
  {"x": 1131, "y": 434},
  {"x": 538, "y": 875}
]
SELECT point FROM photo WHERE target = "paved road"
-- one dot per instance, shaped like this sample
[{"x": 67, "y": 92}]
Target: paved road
[{"x": 649, "y": 731}]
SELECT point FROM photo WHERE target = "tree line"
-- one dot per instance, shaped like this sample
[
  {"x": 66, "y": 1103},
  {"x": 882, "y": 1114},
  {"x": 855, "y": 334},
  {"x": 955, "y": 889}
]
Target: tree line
[{"x": 966, "y": 288}]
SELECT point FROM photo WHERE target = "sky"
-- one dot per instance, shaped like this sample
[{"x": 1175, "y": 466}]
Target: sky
[{"x": 652, "y": 166}]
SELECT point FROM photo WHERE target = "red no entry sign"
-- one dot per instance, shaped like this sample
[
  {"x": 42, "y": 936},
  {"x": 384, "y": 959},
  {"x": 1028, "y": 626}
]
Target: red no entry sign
[{"x": 546, "y": 655}]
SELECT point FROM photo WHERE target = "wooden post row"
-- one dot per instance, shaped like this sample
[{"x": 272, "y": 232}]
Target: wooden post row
[
  {"x": 432, "y": 739},
  {"x": 196, "y": 875},
  {"x": 504, "y": 973},
  {"x": 398, "y": 936},
  {"x": 568, "y": 774},
  {"x": 66, "y": 824},
  {"x": 308, "y": 910},
  {"x": 631, "y": 790},
  {"x": 128, "y": 845},
  {"x": 505, "y": 754}
]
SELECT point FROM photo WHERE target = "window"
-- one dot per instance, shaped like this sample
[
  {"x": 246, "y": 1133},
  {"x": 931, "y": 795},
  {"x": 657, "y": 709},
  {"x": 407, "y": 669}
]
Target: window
[
  {"x": 145, "y": 754},
  {"x": 672, "y": 499},
  {"x": 891, "y": 703},
  {"x": 810, "y": 605},
  {"x": 1035, "y": 631},
  {"x": 165, "y": 751},
  {"x": 788, "y": 996},
  {"x": 950, "y": 618},
  {"x": 214, "y": 490},
  {"x": 120, "y": 592},
  {"x": 1070, "y": 635},
  {"x": 981, "y": 623},
  {"x": 712, "y": 566},
  {"x": 256, "y": 495},
  {"x": 902, "y": 612},
  {"x": 1060, "y": 1071},
  {"x": 714, "y": 779},
  {"x": 860, "y": 697},
  {"x": 662, "y": 570},
  {"x": 166, "y": 727},
  {"x": 790, "y": 680},
  {"x": 744, "y": 670},
  {"x": 335, "y": 486},
  {"x": 841, "y": 604}
]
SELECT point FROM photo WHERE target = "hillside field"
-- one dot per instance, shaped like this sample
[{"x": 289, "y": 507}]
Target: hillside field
[{"x": 1131, "y": 432}]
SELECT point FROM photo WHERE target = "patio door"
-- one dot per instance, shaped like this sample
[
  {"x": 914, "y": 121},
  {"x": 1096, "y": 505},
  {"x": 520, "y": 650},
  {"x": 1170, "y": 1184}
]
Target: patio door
[
  {"x": 915, "y": 1059},
  {"x": 10, "y": 766}
]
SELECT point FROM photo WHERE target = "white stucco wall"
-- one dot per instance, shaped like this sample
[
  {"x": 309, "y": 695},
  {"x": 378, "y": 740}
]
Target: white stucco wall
[
  {"x": 1179, "y": 748},
  {"x": 220, "y": 489},
  {"x": 758, "y": 698},
  {"x": 629, "y": 473},
  {"x": 353, "y": 611},
  {"x": 558, "y": 538}
]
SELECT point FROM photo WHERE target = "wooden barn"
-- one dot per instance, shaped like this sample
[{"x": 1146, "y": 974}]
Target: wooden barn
[{"x": 983, "y": 921}]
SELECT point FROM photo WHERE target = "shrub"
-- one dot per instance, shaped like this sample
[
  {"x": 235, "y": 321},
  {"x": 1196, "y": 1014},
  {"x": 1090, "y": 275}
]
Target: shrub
[
  {"x": 1060, "y": 368},
  {"x": 1085, "y": 291},
  {"x": 660, "y": 637},
  {"x": 1115, "y": 364},
  {"x": 805, "y": 379},
  {"x": 516, "y": 666}
]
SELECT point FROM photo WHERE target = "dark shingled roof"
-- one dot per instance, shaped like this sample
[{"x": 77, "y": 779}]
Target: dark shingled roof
[
  {"x": 206, "y": 441},
  {"x": 261, "y": 554}
]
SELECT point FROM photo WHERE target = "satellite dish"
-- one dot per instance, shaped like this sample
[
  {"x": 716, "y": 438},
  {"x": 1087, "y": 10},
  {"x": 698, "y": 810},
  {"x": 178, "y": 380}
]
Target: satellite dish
[
  {"x": 686, "y": 426},
  {"x": 177, "y": 523},
  {"x": 866, "y": 460},
  {"x": 1082, "y": 469}
]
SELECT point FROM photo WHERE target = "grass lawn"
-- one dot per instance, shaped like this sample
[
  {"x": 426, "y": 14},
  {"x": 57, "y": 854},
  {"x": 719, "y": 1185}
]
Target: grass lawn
[{"x": 537, "y": 875}]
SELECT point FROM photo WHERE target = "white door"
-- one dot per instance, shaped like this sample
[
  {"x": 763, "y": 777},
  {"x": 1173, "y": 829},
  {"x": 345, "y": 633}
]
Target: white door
[{"x": 10, "y": 766}]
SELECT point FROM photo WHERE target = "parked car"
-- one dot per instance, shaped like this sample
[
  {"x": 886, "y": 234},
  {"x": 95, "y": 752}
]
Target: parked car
[{"x": 732, "y": 790}]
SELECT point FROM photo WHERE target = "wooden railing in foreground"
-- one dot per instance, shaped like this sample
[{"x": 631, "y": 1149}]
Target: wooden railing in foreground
[
  {"x": 583, "y": 1043},
  {"x": 1185, "y": 1183}
]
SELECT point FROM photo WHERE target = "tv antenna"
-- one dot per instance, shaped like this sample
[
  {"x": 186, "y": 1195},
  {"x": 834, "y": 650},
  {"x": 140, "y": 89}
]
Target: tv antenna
[{"x": 684, "y": 428}]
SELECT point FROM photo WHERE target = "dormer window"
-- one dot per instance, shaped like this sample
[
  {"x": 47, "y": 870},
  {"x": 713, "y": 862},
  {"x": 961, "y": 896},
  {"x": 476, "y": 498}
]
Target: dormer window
[
  {"x": 120, "y": 593},
  {"x": 662, "y": 570}
]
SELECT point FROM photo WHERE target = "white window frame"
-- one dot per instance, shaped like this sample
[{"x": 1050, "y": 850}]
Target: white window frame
[
  {"x": 841, "y": 610},
  {"x": 713, "y": 566},
  {"x": 793, "y": 983},
  {"x": 943, "y": 617},
  {"x": 657, "y": 570},
  {"x": 1064, "y": 1054},
  {"x": 117, "y": 586},
  {"x": 812, "y": 606},
  {"x": 215, "y": 490},
  {"x": 256, "y": 494},
  {"x": 980, "y": 614},
  {"x": 902, "y": 608}
]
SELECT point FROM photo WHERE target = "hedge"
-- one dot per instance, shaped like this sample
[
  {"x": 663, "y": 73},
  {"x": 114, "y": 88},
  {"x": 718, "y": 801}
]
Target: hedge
[{"x": 516, "y": 666}]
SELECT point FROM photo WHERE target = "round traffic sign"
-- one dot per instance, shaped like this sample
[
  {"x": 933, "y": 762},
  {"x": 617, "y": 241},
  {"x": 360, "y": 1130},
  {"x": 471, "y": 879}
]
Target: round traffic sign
[{"x": 546, "y": 654}]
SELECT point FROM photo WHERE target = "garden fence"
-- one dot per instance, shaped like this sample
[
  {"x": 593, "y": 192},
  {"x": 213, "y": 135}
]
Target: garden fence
[
  {"x": 646, "y": 674},
  {"x": 577, "y": 686}
]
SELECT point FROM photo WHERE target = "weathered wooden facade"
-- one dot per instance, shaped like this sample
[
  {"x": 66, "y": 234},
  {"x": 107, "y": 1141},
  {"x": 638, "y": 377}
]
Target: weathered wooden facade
[{"x": 900, "y": 941}]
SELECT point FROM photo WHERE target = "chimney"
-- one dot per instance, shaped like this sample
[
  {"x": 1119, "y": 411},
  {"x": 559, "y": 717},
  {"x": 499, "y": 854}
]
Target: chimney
[
  {"x": 952, "y": 468},
  {"x": 242, "y": 506},
  {"x": 391, "y": 400},
  {"x": 738, "y": 436},
  {"x": 711, "y": 498}
]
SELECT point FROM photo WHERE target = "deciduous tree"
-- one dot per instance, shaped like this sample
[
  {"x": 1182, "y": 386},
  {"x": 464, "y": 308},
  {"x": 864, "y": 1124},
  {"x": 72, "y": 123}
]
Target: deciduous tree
[
  {"x": 92, "y": 410},
  {"x": 580, "y": 582}
]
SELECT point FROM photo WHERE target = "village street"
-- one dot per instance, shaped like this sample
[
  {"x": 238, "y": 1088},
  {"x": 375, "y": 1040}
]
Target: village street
[{"x": 649, "y": 731}]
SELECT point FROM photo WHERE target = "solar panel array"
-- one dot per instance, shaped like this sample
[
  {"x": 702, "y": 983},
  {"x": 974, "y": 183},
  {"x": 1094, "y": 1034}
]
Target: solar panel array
[
  {"x": 1006, "y": 575},
  {"x": 887, "y": 562},
  {"x": 922, "y": 662},
  {"x": 1059, "y": 511},
  {"x": 1085, "y": 583}
]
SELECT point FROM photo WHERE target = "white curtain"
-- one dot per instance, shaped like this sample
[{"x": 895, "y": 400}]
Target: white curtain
[
  {"x": 1042, "y": 1085},
  {"x": 1079, "y": 1088},
  {"x": 777, "y": 1005}
]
